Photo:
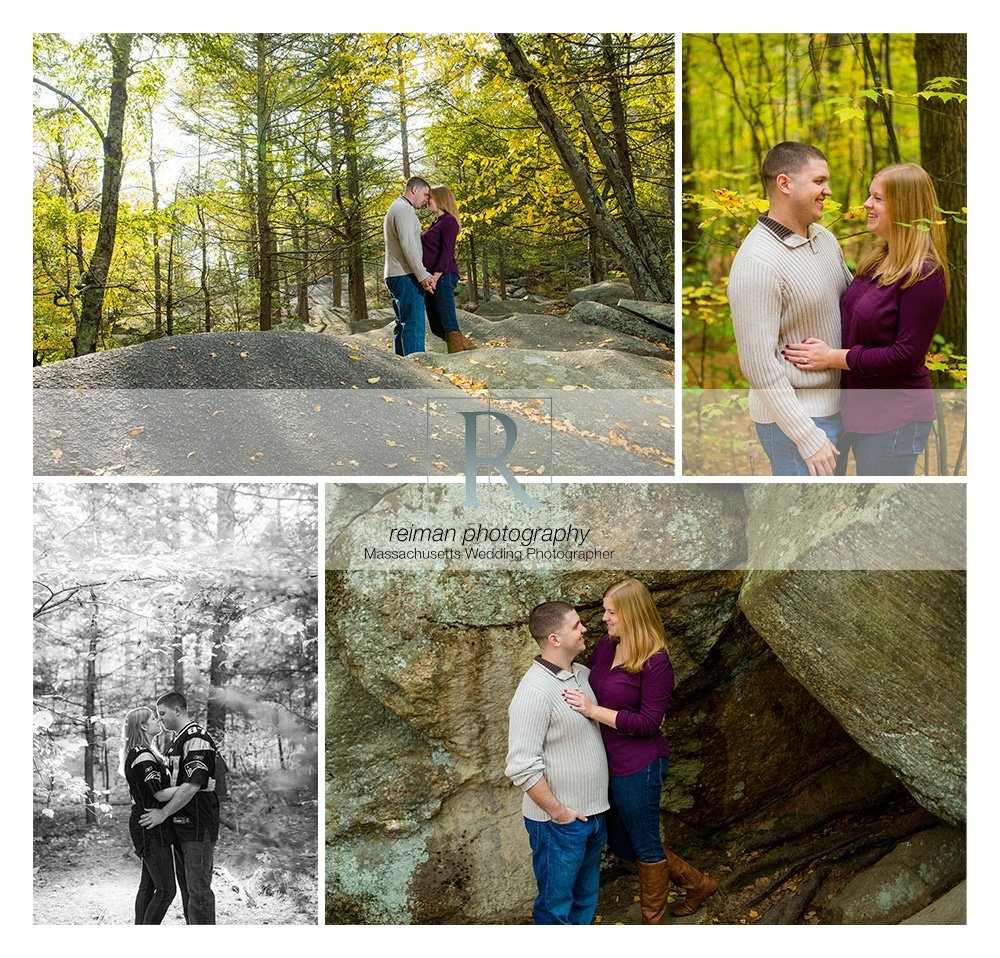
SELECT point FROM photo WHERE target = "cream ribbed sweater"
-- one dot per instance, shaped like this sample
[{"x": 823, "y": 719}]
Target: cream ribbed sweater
[
  {"x": 784, "y": 288},
  {"x": 401, "y": 231},
  {"x": 547, "y": 737}
]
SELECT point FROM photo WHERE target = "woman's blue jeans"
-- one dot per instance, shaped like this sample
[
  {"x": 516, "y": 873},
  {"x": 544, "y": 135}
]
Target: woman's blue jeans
[
  {"x": 892, "y": 453},
  {"x": 567, "y": 864},
  {"x": 441, "y": 314},
  {"x": 634, "y": 818}
]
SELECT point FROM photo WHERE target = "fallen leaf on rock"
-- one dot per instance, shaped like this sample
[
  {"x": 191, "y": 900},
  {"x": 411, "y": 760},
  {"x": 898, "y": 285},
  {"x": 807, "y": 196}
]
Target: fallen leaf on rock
[
  {"x": 171, "y": 347},
  {"x": 317, "y": 407},
  {"x": 374, "y": 379},
  {"x": 190, "y": 454},
  {"x": 440, "y": 465},
  {"x": 57, "y": 454},
  {"x": 390, "y": 399},
  {"x": 244, "y": 355},
  {"x": 391, "y": 442},
  {"x": 353, "y": 357},
  {"x": 390, "y": 465},
  {"x": 214, "y": 355},
  {"x": 136, "y": 430}
]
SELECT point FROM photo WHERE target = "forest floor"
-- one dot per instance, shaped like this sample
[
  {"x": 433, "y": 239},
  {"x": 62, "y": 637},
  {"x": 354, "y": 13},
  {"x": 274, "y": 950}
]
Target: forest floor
[{"x": 88, "y": 875}]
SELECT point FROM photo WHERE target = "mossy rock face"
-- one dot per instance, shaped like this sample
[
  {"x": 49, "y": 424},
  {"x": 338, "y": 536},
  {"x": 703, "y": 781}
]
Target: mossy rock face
[{"x": 904, "y": 882}]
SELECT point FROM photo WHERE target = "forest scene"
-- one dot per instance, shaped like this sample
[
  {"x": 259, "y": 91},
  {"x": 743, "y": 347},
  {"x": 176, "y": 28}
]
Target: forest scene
[
  {"x": 204, "y": 201},
  {"x": 205, "y": 182},
  {"x": 866, "y": 101},
  {"x": 210, "y": 590}
]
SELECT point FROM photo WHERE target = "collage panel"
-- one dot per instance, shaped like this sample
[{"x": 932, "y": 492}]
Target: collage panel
[
  {"x": 824, "y": 242},
  {"x": 308, "y": 244},
  {"x": 175, "y": 704},
  {"x": 812, "y": 754}
]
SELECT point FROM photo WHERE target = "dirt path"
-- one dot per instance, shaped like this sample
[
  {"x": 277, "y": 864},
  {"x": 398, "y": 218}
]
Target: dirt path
[{"x": 90, "y": 876}]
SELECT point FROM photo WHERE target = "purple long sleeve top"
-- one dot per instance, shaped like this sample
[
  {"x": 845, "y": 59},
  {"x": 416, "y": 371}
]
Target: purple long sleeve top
[
  {"x": 640, "y": 700},
  {"x": 438, "y": 241},
  {"x": 887, "y": 331}
]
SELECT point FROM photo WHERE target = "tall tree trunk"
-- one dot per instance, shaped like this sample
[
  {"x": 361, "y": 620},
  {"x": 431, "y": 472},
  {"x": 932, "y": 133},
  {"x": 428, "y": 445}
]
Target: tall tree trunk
[
  {"x": 223, "y": 616},
  {"x": 155, "y": 237},
  {"x": 471, "y": 276},
  {"x": 943, "y": 142},
  {"x": 404, "y": 136},
  {"x": 90, "y": 713},
  {"x": 487, "y": 296},
  {"x": 354, "y": 227},
  {"x": 96, "y": 277},
  {"x": 501, "y": 271},
  {"x": 264, "y": 235}
]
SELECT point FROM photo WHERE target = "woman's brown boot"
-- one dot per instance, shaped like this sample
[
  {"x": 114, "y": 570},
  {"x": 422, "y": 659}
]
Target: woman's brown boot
[
  {"x": 697, "y": 885},
  {"x": 654, "y": 884}
]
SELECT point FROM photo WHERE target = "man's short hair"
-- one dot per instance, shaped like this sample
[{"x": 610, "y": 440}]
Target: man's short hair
[
  {"x": 416, "y": 181},
  {"x": 547, "y": 618},
  {"x": 787, "y": 157},
  {"x": 173, "y": 700}
]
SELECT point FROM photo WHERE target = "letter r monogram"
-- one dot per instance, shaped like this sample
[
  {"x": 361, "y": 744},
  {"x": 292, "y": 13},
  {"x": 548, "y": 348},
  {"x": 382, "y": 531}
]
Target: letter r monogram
[{"x": 473, "y": 460}]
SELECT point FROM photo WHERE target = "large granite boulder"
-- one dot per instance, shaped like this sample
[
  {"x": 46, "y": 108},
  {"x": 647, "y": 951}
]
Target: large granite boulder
[
  {"x": 607, "y": 292},
  {"x": 883, "y": 649},
  {"x": 622, "y": 321}
]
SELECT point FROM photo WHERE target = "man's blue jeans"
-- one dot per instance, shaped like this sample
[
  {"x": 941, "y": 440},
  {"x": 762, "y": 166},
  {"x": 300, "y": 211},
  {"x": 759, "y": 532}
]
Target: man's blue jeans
[
  {"x": 784, "y": 456},
  {"x": 634, "y": 818},
  {"x": 408, "y": 305},
  {"x": 193, "y": 861},
  {"x": 567, "y": 864}
]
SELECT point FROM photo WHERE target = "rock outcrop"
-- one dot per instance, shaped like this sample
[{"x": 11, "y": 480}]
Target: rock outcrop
[{"x": 778, "y": 782}]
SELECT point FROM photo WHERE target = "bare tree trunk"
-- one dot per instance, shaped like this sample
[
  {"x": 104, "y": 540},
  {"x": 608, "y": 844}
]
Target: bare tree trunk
[
  {"x": 90, "y": 696},
  {"x": 472, "y": 277},
  {"x": 943, "y": 142},
  {"x": 354, "y": 225},
  {"x": 223, "y": 615},
  {"x": 157, "y": 277},
  {"x": 265, "y": 238},
  {"x": 96, "y": 277},
  {"x": 404, "y": 137},
  {"x": 501, "y": 271},
  {"x": 487, "y": 296}
]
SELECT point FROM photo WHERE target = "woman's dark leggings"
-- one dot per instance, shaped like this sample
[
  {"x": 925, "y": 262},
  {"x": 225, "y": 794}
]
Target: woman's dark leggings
[{"x": 157, "y": 886}]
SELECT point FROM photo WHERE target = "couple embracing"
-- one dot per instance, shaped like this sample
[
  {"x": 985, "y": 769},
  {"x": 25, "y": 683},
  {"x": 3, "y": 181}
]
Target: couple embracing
[
  {"x": 173, "y": 827},
  {"x": 837, "y": 362},
  {"x": 421, "y": 271},
  {"x": 585, "y": 747}
]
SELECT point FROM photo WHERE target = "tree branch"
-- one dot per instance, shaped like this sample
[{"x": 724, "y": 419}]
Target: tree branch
[{"x": 78, "y": 105}]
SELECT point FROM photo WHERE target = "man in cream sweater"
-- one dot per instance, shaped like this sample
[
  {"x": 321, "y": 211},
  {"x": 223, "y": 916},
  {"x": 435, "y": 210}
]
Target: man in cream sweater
[
  {"x": 405, "y": 276},
  {"x": 784, "y": 287},
  {"x": 557, "y": 757}
]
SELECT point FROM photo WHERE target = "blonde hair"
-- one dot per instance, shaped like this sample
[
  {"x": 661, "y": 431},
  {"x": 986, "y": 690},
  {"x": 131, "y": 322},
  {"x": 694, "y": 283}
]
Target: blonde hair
[
  {"x": 133, "y": 734},
  {"x": 445, "y": 200},
  {"x": 639, "y": 624},
  {"x": 916, "y": 234}
]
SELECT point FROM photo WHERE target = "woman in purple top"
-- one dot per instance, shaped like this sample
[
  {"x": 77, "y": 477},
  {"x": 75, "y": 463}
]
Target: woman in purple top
[
  {"x": 888, "y": 317},
  {"x": 438, "y": 241},
  {"x": 632, "y": 678}
]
